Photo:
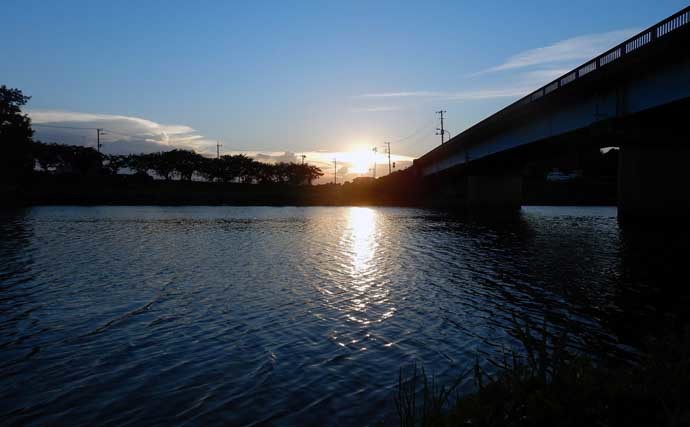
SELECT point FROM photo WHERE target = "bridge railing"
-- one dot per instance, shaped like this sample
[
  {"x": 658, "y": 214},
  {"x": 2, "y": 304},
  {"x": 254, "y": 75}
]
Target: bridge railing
[{"x": 638, "y": 41}]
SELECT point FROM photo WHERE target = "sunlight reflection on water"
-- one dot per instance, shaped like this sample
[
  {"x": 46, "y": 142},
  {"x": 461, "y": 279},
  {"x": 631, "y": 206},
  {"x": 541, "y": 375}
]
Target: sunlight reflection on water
[
  {"x": 368, "y": 295},
  {"x": 360, "y": 234},
  {"x": 301, "y": 314}
]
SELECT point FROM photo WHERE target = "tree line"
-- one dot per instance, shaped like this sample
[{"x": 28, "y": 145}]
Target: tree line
[
  {"x": 22, "y": 156},
  {"x": 183, "y": 165}
]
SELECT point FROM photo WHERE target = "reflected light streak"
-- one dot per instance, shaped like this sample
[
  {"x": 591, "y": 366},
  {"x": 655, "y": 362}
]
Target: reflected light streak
[
  {"x": 364, "y": 300},
  {"x": 362, "y": 235}
]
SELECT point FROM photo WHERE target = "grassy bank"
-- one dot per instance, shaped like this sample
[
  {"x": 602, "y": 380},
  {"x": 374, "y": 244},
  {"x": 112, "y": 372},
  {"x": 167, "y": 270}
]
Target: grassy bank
[{"x": 544, "y": 384}]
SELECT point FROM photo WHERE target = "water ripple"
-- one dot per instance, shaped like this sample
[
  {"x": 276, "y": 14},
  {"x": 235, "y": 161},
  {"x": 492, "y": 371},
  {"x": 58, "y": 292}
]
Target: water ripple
[{"x": 288, "y": 316}]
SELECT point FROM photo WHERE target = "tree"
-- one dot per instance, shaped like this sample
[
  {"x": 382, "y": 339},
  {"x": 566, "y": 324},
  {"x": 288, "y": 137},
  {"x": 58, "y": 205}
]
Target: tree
[
  {"x": 185, "y": 163},
  {"x": 248, "y": 169},
  {"x": 81, "y": 160},
  {"x": 311, "y": 173},
  {"x": 161, "y": 164},
  {"x": 46, "y": 155},
  {"x": 114, "y": 163},
  {"x": 140, "y": 163},
  {"x": 15, "y": 135}
]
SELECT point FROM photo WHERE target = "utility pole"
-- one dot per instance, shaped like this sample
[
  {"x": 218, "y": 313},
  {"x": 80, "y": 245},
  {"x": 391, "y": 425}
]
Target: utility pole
[
  {"x": 218, "y": 145},
  {"x": 375, "y": 150},
  {"x": 303, "y": 157},
  {"x": 388, "y": 150},
  {"x": 335, "y": 171},
  {"x": 99, "y": 132},
  {"x": 442, "y": 131}
]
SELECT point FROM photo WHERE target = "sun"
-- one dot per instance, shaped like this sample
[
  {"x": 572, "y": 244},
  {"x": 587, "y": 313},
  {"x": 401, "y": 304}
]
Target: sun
[{"x": 360, "y": 161}]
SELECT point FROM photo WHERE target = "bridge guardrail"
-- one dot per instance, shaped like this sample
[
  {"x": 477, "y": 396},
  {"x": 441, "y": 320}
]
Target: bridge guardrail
[
  {"x": 647, "y": 37},
  {"x": 639, "y": 40}
]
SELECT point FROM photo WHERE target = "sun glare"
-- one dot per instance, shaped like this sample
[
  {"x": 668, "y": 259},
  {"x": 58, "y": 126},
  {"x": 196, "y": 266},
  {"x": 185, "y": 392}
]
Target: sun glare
[{"x": 360, "y": 161}]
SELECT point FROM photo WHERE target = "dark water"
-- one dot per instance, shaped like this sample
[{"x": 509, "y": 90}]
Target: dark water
[{"x": 298, "y": 316}]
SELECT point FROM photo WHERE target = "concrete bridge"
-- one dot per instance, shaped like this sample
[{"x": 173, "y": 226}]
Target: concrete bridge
[{"x": 635, "y": 96}]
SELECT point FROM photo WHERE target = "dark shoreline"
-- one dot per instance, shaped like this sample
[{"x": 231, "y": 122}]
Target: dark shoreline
[{"x": 132, "y": 190}]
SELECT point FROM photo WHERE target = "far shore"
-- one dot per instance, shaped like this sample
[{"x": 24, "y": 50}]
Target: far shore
[{"x": 45, "y": 189}]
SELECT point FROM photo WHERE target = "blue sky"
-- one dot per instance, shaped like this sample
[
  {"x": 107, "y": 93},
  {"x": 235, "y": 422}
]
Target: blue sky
[{"x": 294, "y": 77}]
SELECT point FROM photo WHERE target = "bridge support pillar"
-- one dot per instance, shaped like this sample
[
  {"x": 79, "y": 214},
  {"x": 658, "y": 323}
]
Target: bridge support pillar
[
  {"x": 491, "y": 192},
  {"x": 653, "y": 181}
]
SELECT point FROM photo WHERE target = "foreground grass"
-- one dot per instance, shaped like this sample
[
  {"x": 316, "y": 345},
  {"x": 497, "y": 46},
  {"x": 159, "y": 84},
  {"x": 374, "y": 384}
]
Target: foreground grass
[{"x": 546, "y": 385}]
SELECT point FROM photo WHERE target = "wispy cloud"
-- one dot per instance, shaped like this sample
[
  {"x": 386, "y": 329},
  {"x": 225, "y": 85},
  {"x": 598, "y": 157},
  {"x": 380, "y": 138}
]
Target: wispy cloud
[
  {"x": 123, "y": 134},
  {"x": 534, "y": 67},
  {"x": 509, "y": 92},
  {"x": 398, "y": 94},
  {"x": 128, "y": 134},
  {"x": 468, "y": 95},
  {"x": 542, "y": 76},
  {"x": 580, "y": 48},
  {"x": 379, "y": 109}
]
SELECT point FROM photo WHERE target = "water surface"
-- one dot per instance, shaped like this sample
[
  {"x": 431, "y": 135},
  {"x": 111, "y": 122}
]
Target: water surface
[{"x": 296, "y": 316}]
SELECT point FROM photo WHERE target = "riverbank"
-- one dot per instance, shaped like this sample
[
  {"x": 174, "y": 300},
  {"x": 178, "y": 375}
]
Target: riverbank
[
  {"x": 544, "y": 384},
  {"x": 400, "y": 190}
]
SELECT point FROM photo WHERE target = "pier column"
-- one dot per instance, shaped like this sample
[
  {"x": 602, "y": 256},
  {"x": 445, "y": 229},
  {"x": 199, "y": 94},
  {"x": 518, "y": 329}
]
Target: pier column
[
  {"x": 653, "y": 181},
  {"x": 491, "y": 192}
]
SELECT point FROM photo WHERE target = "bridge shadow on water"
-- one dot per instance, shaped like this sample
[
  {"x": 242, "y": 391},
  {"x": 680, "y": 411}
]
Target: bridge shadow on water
[{"x": 631, "y": 277}]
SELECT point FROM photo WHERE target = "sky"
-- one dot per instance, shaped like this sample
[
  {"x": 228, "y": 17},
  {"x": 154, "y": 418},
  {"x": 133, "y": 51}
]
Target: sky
[{"x": 280, "y": 79}]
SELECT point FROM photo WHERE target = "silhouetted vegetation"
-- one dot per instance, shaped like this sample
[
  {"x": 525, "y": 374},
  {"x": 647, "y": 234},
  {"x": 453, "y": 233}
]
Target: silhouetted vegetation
[
  {"x": 15, "y": 137},
  {"x": 545, "y": 384},
  {"x": 182, "y": 165},
  {"x": 21, "y": 156}
]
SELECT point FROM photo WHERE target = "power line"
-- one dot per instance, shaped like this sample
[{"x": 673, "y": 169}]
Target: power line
[
  {"x": 119, "y": 133},
  {"x": 416, "y": 132},
  {"x": 61, "y": 127},
  {"x": 81, "y": 128}
]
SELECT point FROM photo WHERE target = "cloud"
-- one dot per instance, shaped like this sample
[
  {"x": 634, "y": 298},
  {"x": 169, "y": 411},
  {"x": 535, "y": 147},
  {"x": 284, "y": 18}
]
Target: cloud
[
  {"x": 122, "y": 134},
  {"x": 127, "y": 134},
  {"x": 542, "y": 76},
  {"x": 398, "y": 94},
  {"x": 507, "y": 92},
  {"x": 572, "y": 50},
  {"x": 286, "y": 157},
  {"x": 375, "y": 109},
  {"x": 537, "y": 67}
]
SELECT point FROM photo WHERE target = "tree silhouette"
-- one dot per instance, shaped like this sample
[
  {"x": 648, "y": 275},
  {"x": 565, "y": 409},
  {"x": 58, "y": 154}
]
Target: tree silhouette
[
  {"x": 46, "y": 155},
  {"x": 185, "y": 162},
  {"x": 181, "y": 164},
  {"x": 114, "y": 163},
  {"x": 15, "y": 136}
]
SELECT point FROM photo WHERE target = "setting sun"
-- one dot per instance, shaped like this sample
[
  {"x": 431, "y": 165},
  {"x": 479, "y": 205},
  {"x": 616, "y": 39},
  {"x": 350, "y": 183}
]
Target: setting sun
[{"x": 361, "y": 161}]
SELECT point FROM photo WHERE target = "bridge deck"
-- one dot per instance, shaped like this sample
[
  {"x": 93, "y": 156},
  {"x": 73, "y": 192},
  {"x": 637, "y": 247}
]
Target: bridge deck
[{"x": 535, "y": 116}]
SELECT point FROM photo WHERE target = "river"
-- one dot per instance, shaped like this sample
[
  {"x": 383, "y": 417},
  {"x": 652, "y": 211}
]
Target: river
[{"x": 299, "y": 316}]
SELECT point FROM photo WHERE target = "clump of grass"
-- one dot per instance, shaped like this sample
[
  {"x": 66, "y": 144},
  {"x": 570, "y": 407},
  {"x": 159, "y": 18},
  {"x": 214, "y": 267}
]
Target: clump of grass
[
  {"x": 433, "y": 401},
  {"x": 545, "y": 384}
]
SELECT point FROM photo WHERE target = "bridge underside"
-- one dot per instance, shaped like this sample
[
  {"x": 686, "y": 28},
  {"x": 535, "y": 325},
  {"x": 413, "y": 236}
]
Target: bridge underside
[
  {"x": 653, "y": 180},
  {"x": 635, "y": 96}
]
